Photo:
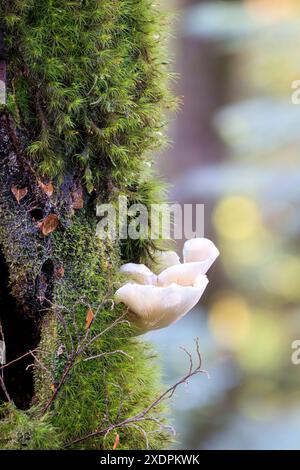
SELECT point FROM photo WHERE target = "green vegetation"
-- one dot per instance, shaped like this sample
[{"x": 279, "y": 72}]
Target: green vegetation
[
  {"x": 88, "y": 78},
  {"x": 87, "y": 90}
]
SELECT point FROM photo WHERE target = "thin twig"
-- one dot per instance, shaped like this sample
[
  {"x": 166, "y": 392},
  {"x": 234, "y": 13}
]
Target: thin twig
[
  {"x": 109, "y": 353},
  {"x": 82, "y": 345},
  {"x": 143, "y": 415},
  {"x": 18, "y": 359},
  {"x": 119, "y": 321},
  {"x": 42, "y": 366}
]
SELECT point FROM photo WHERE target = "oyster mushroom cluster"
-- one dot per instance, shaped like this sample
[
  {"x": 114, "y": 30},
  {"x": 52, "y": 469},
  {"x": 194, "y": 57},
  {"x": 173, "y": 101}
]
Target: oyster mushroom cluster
[{"x": 157, "y": 300}]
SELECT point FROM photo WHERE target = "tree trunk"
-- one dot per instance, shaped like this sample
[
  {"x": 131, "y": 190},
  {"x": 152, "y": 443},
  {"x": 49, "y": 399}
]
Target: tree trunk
[{"x": 85, "y": 88}]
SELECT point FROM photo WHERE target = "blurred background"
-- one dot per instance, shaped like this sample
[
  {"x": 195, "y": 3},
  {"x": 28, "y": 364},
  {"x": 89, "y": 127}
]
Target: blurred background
[{"x": 236, "y": 145}]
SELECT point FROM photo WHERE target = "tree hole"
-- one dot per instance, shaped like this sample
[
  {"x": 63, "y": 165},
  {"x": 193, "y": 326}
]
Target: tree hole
[
  {"x": 45, "y": 281},
  {"x": 21, "y": 335},
  {"x": 37, "y": 214}
]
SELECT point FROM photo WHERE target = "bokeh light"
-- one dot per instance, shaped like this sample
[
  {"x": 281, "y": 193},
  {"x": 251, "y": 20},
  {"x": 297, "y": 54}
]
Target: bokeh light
[
  {"x": 236, "y": 217},
  {"x": 230, "y": 320}
]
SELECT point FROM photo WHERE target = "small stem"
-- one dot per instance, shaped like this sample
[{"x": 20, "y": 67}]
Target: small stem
[{"x": 57, "y": 389}]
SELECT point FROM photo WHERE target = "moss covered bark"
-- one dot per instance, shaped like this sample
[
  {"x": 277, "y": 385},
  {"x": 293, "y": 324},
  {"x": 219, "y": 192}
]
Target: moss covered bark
[{"x": 86, "y": 95}]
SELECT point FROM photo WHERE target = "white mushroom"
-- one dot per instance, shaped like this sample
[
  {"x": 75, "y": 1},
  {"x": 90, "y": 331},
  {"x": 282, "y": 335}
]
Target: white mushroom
[
  {"x": 165, "y": 259},
  {"x": 182, "y": 274},
  {"x": 157, "y": 301},
  {"x": 139, "y": 273},
  {"x": 200, "y": 250},
  {"x": 198, "y": 254},
  {"x": 155, "y": 307}
]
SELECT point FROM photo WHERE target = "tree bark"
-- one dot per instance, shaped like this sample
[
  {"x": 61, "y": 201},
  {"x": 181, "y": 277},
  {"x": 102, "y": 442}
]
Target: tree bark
[{"x": 64, "y": 378}]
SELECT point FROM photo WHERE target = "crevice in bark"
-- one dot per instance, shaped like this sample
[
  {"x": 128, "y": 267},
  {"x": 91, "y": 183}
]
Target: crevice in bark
[
  {"x": 37, "y": 214},
  {"x": 22, "y": 333},
  {"x": 45, "y": 283}
]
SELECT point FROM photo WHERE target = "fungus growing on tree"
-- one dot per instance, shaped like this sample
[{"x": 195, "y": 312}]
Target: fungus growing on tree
[{"x": 156, "y": 301}]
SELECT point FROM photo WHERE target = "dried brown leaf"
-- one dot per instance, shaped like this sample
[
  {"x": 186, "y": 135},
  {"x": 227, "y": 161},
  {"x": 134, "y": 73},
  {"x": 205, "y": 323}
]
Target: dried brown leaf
[
  {"x": 49, "y": 224},
  {"x": 89, "y": 318},
  {"x": 48, "y": 188},
  {"x": 19, "y": 193},
  {"x": 117, "y": 442}
]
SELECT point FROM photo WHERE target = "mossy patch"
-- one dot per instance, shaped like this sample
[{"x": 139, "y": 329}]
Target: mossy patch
[
  {"x": 87, "y": 86},
  {"x": 88, "y": 79},
  {"x": 102, "y": 390},
  {"x": 100, "y": 386}
]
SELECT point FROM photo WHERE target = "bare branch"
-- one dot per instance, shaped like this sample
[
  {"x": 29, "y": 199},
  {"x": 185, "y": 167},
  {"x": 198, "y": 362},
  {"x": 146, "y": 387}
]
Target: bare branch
[
  {"x": 109, "y": 353},
  {"x": 119, "y": 321},
  {"x": 83, "y": 344},
  {"x": 144, "y": 415},
  {"x": 3, "y": 386},
  {"x": 41, "y": 365},
  {"x": 29, "y": 353}
]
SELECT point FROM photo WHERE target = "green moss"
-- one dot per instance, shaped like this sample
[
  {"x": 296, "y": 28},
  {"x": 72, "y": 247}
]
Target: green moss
[
  {"x": 88, "y": 85},
  {"x": 89, "y": 77},
  {"x": 89, "y": 82},
  {"x": 100, "y": 385},
  {"x": 117, "y": 385},
  {"x": 48, "y": 346},
  {"x": 25, "y": 430}
]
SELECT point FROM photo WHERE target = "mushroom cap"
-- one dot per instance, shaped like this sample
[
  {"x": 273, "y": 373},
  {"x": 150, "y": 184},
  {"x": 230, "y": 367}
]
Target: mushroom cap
[
  {"x": 201, "y": 250},
  {"x": 157, "y": 307},
  {"x": 157, "y": 301},
  {"x": 182, "y": 274},
  {"x": 139, "y": 273},
  {"x": 165, "y": 259},
  {"x": 199, "y": 254}
]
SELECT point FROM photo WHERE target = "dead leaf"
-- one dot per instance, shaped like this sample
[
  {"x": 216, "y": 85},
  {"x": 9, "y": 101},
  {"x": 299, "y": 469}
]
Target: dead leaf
[
  {"x": 49, "y": 224},
  {"x": 52, "y": 386},
  {"x": 19, "y": 193},
  {"x": 48, "y": 188},
  {"x": 89, "y": 318},
  {"x": 117, "y": 442},
  {"x": 60, "y": 271},
  {"x": 77, "y": 199}
]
